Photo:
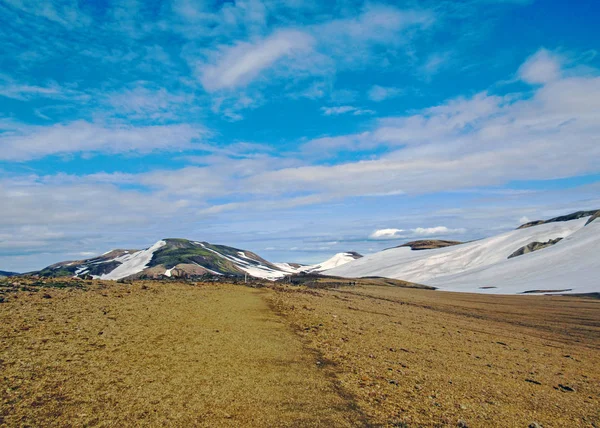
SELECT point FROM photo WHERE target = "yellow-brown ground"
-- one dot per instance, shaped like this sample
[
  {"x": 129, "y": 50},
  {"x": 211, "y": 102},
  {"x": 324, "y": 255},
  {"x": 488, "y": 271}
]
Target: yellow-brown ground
[
  {"x": 175, "y": 354},
  {"x": 429, "y": 358},
  {"x": 165, "y": 355}
]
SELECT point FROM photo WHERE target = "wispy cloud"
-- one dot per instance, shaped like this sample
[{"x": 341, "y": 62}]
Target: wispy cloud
[
  {"x": 437, "y": 230},
  {"x": 147, "y": 102},
  {"x": 21, "y": 142},
  {"x": 379, "y": 93},
  {"x": 238, "y": 65},
  {"x": 394, "y": 234},
  {"x": 337, "y": 110}
]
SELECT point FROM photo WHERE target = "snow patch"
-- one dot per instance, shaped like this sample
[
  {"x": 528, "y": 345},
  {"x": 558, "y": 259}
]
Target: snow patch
[
  {"x": 133, "y": 263},
  {"x": 256, "y": 270}
]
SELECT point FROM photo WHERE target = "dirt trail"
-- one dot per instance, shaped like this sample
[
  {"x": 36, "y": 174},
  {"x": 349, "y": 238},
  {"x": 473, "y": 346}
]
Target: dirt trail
[{"x": 158, "y": 355}]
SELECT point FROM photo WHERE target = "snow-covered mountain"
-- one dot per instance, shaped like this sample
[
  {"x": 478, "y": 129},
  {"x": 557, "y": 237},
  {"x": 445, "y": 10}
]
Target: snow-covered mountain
[
  {"x": 484, "y": 266},
  {"x": 184, "y": 258},
  {"x": 169, "y": 258}
]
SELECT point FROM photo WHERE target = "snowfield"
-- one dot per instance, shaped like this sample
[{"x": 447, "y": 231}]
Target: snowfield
[
  {"x": 133, "y": 263},
  {"x": 483, "y": 266},
  {"x": 336, "y": 261}
]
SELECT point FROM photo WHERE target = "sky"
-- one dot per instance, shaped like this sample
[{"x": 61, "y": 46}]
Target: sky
[{"x": 295, "y": 129}]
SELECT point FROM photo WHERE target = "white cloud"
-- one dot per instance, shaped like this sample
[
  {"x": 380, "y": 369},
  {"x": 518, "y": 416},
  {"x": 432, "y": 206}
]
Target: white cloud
[
  {"x": 144, "y": 101},
  {"x": 66, "y": 12},
  {"x": 438, "y": 230},
  {"x": 376, "y": 25},
  {"x": 390, "y": 234},
  {"x": 238, "y": 65},
  {"x": 338, "y": 110},
  {"x": 524, "y": 220},
  {"x": 542, "y": 67},
  {"x": 380, "y": 93},
  {"x": 434, "y": 63},
  {"x": 385, "y": 234},
  {"x": 23, "y": 142},
  {"x": 11, "y": 88}
]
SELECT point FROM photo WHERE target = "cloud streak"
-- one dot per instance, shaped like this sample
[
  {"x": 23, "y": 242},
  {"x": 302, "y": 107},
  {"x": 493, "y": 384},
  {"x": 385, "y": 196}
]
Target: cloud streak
[{"x": 22, "y": 142}]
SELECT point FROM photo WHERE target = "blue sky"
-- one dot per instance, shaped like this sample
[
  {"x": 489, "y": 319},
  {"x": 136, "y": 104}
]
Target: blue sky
[{"x": 295, "y": 129}]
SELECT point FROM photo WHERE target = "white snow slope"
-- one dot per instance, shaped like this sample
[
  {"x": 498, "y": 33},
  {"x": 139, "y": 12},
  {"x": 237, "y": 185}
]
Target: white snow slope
[
  {"x": 338, "y": 260},
  {"x": 133, "y": 263},
  {"x": 571, "y": 264}
]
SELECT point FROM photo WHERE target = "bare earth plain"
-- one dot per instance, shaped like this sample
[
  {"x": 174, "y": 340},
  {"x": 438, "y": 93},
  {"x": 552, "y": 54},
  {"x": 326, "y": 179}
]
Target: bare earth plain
[{"x": 192, "y": 354}]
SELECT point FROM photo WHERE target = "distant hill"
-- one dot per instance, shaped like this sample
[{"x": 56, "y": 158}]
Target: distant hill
[
  {"x": 4, "y": 273},
  {"x": 169, "y": 258},
  {"x": 182, "y": 258}
]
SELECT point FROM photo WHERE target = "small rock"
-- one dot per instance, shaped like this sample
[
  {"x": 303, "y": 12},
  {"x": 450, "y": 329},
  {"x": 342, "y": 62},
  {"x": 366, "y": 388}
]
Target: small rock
[
  {"x": 535, "y": 425},
  {"x": 47, "y": 296},
  {"x": 462, "y": 424},
  {"x": 565, "y": 388}
]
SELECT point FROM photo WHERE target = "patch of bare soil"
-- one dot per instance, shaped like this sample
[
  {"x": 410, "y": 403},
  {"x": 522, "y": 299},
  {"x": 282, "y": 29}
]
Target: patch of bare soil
[{"x": 428, "y": 358}]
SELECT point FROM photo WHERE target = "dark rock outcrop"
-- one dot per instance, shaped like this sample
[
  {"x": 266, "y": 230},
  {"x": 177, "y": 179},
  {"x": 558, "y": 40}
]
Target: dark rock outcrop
[
  {"x": 534, "y": 246},
  {"x": 429, "y": 244},
  {"x": 568, "y": 217},
  {"x": 594, "y": 217}
]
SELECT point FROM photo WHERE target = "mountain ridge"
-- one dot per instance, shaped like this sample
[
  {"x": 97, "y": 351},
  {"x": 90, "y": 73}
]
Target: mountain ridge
[{"x": 183, "y": 258}]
